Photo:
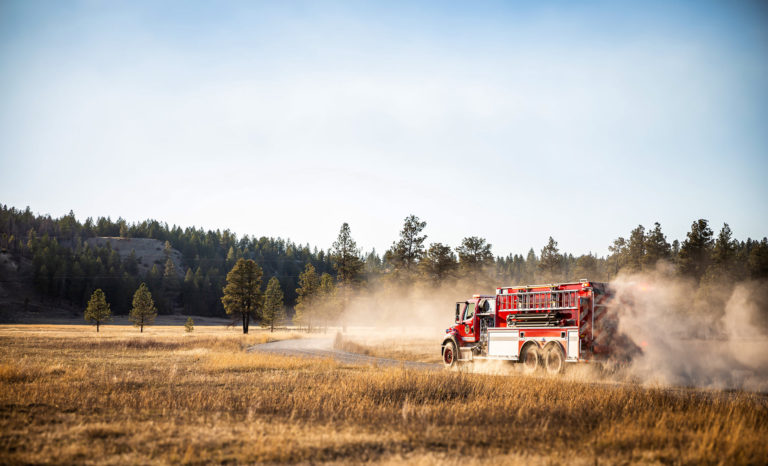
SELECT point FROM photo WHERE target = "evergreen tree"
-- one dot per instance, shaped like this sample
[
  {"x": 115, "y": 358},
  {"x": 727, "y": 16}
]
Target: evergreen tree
[
  {"x": 656, "y": 247},
  {"x": 329, "y": 308},
  {"x": 551, "y": 262},
  {"x": 618, "y": 254},
  {"x": 586, "y": 267},
  {"x": 98, "y": 310},
  {"x": 696, "y": 250},
  {"x": 636, "y": 249},
  {"x": 155, "y": 279},
  {"x": 309, "y": 285},
  {"x": 531, "y": 266},
  {"x": 373, "y": 264},
  {"x": 758, "y": 260},
  {"x": 345, "y": 257},
  {"x": 725, "y": 249},
  {"x": 189, "y": 325},
  {"x": 439, "y": 262},
  {"x": 169, "y": 273},
  {"x": 242, "y": 294},
  {"x": 474, "y": 256},
  {"x": 405, "y": 254},
  {"x": 143, "y": 312},
  {"x": 189, "y": 295},
  {"x": 273, "y": 305},
  {"x": 171, "y": 285}
]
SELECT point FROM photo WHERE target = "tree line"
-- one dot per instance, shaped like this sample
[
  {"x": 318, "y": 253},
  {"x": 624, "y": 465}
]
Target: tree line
[
  {"x": 315, "y": 283},
  {"x": 66, "y": 268}
]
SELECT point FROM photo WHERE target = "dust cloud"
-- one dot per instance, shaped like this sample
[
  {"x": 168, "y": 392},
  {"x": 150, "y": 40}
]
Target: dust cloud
[
  {"x": 416, "y": 308},
  {"x": 708, "y": 336}
]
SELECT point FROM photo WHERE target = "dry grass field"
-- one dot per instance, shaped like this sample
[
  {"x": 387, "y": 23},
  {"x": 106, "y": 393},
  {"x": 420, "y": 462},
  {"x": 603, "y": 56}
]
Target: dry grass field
[{"x": 68, "y": 395}]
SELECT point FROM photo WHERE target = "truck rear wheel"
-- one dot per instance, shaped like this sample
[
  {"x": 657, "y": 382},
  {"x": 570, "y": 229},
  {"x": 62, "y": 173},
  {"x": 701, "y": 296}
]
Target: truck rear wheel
[
  {"x": 449, "y": 354},
  {"x": 554, "y": 359},
  {"x": 531, "y": 358}
]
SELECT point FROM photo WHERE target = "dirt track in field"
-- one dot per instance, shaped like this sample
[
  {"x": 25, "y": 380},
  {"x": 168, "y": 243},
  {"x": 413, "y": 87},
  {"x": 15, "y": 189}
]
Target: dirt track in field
[{"x": 323, "y": 348}]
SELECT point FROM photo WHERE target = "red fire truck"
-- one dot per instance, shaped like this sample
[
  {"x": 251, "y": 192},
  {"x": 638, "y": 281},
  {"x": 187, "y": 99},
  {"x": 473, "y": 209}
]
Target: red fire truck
[{"x": 537, "y": 325}]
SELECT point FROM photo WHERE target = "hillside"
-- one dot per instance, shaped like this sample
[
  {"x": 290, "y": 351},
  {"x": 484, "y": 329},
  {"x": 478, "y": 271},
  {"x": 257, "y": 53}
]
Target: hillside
[
  {"x": 20, "y": 302},
  {"x": 148, "y": 251}
]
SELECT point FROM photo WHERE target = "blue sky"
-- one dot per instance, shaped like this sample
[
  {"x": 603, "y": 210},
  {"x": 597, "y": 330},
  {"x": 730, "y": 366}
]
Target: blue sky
[{"x": 512, "y": 121}]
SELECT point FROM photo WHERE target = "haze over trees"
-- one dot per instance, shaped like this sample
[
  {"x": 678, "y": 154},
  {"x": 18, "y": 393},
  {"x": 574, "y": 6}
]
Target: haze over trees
[{"x": 308, "y": 290}]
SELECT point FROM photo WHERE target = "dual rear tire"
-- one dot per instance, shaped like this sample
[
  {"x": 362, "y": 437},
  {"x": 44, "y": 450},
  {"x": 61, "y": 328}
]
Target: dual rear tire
[{"x": 551, "y": 359}]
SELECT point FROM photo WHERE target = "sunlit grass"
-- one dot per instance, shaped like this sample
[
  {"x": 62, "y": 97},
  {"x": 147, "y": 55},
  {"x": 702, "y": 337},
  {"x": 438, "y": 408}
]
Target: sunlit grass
[{"x": 72, "y": 396}]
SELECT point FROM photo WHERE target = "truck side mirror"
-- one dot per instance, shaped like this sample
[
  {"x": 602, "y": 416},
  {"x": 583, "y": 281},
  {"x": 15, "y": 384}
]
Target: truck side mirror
[{"x": 458, "y": 311}]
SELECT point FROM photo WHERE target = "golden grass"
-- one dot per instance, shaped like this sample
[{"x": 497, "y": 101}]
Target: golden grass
[{"x": 68, "y": 396}]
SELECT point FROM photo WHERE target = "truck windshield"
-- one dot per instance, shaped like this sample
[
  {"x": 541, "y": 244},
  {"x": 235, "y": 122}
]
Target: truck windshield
[{"x": 469, "y": 312}]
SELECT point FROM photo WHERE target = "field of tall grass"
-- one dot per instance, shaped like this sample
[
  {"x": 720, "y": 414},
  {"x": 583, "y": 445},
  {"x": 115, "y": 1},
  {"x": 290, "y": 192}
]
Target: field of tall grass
[{"x": 69, "y": 395}]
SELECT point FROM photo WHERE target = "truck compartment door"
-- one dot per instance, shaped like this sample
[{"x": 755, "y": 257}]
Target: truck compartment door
[
  {"x": 503, "y": 343},
  {"x": 573, "y": 345}
]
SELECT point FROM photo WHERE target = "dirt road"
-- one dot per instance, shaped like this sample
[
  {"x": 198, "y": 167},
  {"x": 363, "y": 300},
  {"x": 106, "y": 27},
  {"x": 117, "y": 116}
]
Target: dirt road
[{"x": 323, "y": 348}]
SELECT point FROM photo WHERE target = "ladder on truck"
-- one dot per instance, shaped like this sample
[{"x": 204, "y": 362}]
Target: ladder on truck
[{"x": 539, "y": 308}]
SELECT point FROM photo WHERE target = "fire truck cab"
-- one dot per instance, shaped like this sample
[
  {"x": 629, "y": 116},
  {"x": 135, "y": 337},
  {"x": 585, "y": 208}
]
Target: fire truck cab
[{"x": 540, "y": 326}]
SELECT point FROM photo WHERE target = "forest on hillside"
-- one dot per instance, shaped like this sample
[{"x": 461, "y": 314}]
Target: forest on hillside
[{"x": 66, "y": 267}]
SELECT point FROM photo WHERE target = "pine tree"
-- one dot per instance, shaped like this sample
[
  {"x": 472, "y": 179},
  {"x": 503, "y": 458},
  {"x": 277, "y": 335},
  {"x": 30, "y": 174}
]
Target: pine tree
[
  {"x": 189, "y": 325},
  {"x": 531, "y": 266},
  {"x": 242, "y": 294},
  {"x": 636, "y": 249},
  {"x": 725, "y": 248},
  {"x": 345, "y": 257},
  {"x": 439, "y": 262},
  {"x": 405, "y": 254},
  {"x": 551, "y": 262},
  {"x": 696, "y": 250},
  {"x": 618, "y": 254},
  {"x": 98, "y": 310},
  {"x": 171, "y": 285},
  {"x": 326, "y": 294},
  {"x": 169, "y": 273},
  {"x": 474, "y": 256},
  {"x": 373, "y": 263},
  {"x": 656, "y": 247},
  {"x": 309, "y": 285},
  {"x": 273, "y": 311},
  {"x": 143, "y": 312},
  {"x": 757, "y": 260},
  {"x": 586, "y": 267}
]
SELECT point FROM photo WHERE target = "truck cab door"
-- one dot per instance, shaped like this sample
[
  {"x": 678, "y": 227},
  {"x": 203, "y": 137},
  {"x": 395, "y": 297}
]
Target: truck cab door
[{"x": 469, "y": 328}]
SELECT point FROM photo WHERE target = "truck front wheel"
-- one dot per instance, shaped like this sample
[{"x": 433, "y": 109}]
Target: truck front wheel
[{"x": 449, "y": 354}]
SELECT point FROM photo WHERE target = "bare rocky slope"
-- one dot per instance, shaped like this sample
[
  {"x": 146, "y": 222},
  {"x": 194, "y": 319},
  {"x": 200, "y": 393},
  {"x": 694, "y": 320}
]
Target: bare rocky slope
[{"x": 148, "y": 251}]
